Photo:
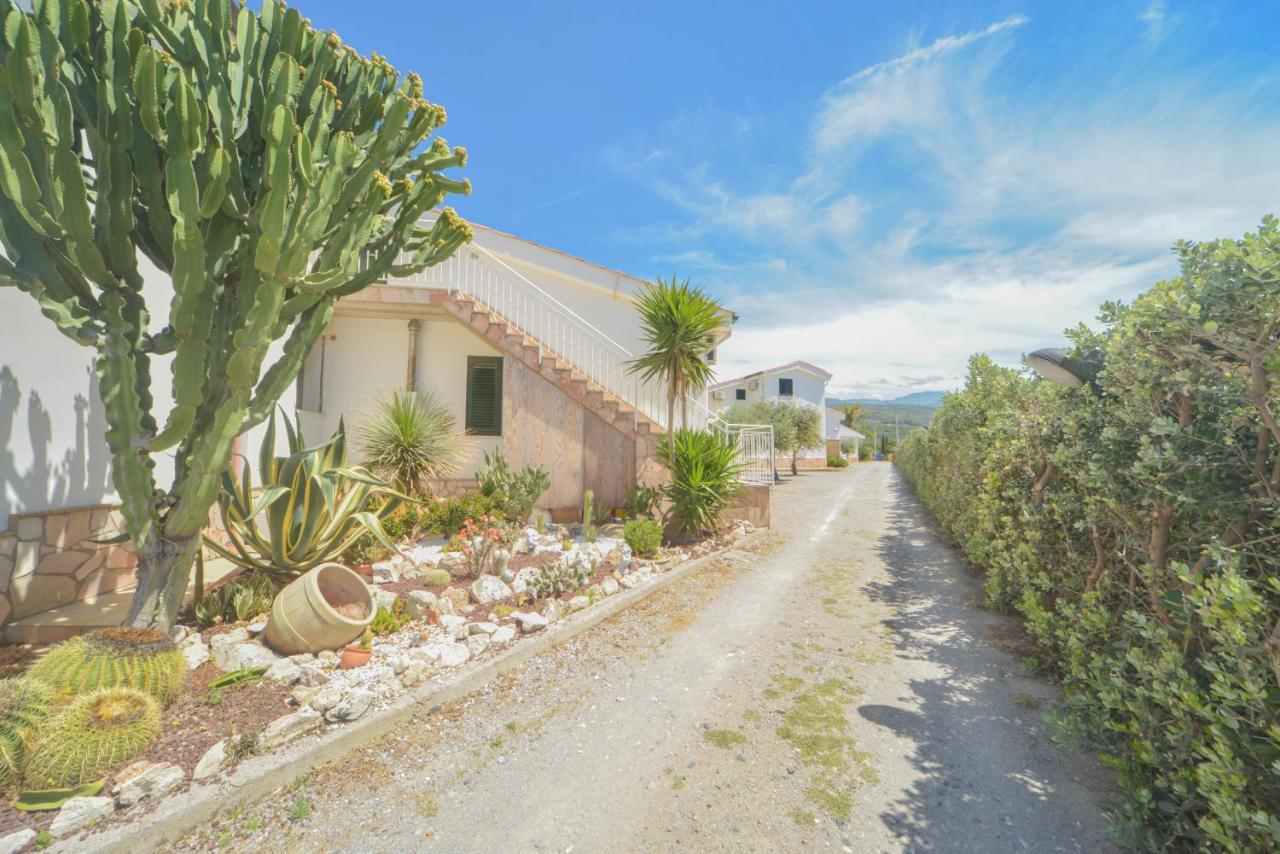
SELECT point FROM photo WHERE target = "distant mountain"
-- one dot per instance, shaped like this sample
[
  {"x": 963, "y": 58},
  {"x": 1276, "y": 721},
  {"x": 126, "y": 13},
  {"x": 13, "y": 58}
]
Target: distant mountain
[{"x": 927, "y": 399}]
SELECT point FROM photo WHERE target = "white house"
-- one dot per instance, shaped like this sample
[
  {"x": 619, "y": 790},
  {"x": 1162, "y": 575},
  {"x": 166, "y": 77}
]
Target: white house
[
  {"x": 837, "y": 433},
  {"x": 528, "y": 345},
  {"x": 798, "y": 382}
]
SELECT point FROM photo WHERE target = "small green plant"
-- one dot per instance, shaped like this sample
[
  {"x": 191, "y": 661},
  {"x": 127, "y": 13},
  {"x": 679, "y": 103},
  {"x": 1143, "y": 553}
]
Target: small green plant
[
  {"x": 645, "y": 500},
  {"x": 558, "y": 579},
  {"x": 644, "y": 536},
  {"x": 236, "y": 678},
  {"x": 25, "y": 705},
  {"x": 837, "y": 463},
  {"x": 446, "y": 516},
  {"x": 589, "y": 530},
  {"x": 428, "y": 804},
  {"x": 724, "y": 738},
  {"x": 237, "y": 600},
  {"x": 44, "y": 800},
  {"x": 390, "y": 620},
  {"x": 97, "y": 731},
  {"x": 43, "y": 839},
  {"x": 366, "y": 639},
  {"x": 300, "y": 810},
  {"x": 496, "y": 742},
  {"x": 514, "y": 492},
  {"x": 114, "y": 658}
]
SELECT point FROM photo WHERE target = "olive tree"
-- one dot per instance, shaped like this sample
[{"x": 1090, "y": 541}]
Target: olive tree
[{"x": 264, "y": 167}]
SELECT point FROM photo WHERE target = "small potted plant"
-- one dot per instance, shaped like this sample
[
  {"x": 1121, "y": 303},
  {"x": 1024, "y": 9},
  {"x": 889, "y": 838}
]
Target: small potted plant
[{"x": 357, "y": 654}]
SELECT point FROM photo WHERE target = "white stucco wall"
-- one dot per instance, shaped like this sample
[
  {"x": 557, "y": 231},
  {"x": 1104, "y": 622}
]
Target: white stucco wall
[{"x": 52, "y": 451}]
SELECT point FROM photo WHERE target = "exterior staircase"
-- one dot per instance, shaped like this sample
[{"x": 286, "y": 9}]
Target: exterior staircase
[{"x": 506, "y": 336}]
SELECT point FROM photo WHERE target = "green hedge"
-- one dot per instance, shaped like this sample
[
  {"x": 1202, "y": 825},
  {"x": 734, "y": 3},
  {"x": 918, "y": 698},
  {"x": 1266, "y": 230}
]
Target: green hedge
[{"x": 1135, "y": 525}]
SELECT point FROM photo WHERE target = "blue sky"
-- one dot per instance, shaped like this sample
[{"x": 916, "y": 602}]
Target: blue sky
[{"x": 881, "y": 191}]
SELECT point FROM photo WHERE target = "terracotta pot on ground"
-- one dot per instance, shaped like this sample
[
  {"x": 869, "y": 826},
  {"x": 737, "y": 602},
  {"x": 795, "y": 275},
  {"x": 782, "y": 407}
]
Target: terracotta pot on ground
[
  {"x": 354, "y": 655},
  {"x": 364, "y": 569},
  {"x": 327, "y": 607}
]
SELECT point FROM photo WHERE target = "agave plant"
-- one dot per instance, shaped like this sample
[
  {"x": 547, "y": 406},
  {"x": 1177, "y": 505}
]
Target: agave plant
[
  {"x": 411, "y": 438},
  {"x": 310, "y": 507},
  {"x": 704, "y": 477}
]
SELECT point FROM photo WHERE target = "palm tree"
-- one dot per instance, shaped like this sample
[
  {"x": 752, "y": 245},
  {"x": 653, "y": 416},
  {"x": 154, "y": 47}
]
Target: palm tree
[
  {"x": 681, "y": 324},
  {"x": 853, "y": 413}
]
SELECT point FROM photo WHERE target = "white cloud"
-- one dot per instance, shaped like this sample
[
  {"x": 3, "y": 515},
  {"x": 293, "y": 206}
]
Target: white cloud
[
  {"x": 1154, "y": 18},
  {"x": 1019, "y": 217}
]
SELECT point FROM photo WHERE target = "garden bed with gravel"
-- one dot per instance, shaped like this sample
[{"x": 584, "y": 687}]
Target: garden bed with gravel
[{"x": 206, "y": 731}]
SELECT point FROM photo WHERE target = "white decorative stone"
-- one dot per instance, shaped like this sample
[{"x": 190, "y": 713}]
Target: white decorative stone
[
  {"x": 577, "y": 603},
  {"x": 153, "y": 781},
  {"x": 454, "y": 626},
  {"x": 554, "y": 610},
  {"x": 212, "y": 761},
  {"x": 219, "y": 643},
  {"x": 325, "y": 699},
  {"x": 178, "y": 634},
  {"x": 531, "y": 622},
  {"x": 628, "y": 581},
  {"x": 609, "y": 586},
  {"x": 195, "y": 651},
  {"x": 257, "y": 627},
  {"x": 489, "y": 588},
  {"x": 284, "y": 671},
  {"x": 419, "y": 602},
  {"x": 351, "y": 706},
  {"x": 524, "y": 578},
  {"x": 482, "y": 628},
  {"x": 386, "y": 572},
  {"x": 288, "y": 727},
  {"x": 243, "y": 655},
  {"x": 476, "y": 643},
  {"x": 454, "y": 562},
  {"x": 504, "y": 634},
  {"x": 385, "y": 599},
  {"x": 414, "y": 675},
  {"x": 19, "y": 840},
  {"x": 79, "y": 813},
  {"x": 453, "y": 654},
  {"x": 312, "y": 676}
]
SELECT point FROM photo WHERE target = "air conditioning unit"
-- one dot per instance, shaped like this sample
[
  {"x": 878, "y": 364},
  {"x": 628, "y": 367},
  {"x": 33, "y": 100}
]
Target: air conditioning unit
[
  {"x": 717, "y": 395},
  {"x": 754, "y": 384}
]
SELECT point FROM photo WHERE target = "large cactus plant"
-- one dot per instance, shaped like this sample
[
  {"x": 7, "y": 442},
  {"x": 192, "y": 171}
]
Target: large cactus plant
[{"x": 267, "y": 169}]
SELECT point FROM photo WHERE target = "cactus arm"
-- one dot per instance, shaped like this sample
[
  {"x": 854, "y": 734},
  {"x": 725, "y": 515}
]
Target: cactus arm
[
  {"x": 124, "y": 410},
  {"x": 276, "y": 381}
]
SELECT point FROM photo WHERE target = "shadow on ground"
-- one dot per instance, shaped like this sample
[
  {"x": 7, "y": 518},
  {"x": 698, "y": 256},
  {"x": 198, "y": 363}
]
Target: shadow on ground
[{"x": 989, "y": 778}]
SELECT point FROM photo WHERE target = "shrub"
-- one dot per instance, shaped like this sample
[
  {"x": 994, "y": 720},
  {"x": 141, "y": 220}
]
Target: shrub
[
  {"x": 310, "y": 508},
  {"x": 644, "y": 536},
  {"x": 447, "y": 517},
  {"x": 484, "y": 542},
  {"x": 704, "y": 478},
  {"x": 837, "y": 463},
  {"x": 141, "y": 659},
  {"x": 412, "y": 438},
  {"x": 237, "y": 600},
  {"x": 513, "y": 492},
  {"x": 1132, "y": 523},
  {"x": 97, "y": 731},
  {"x": 390, "y": 620},
  {"x": 25, "y": 705},
  {"x": 645, "y": 500}
]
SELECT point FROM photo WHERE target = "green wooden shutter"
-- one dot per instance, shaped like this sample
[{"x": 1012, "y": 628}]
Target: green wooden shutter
[{"x": 484, "y": 395}]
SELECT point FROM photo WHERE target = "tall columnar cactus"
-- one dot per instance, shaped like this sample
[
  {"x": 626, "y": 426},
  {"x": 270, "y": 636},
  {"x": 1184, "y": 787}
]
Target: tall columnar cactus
[
  {"x": 143, "y": 659},
  {"x": 262, "y": 165},
  {"x": 89, "y": 736},
  {"x": 24, "y": 706}
]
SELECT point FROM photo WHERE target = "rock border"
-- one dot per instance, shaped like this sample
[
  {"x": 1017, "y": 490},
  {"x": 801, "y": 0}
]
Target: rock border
[{"x": 258, "y": 776}]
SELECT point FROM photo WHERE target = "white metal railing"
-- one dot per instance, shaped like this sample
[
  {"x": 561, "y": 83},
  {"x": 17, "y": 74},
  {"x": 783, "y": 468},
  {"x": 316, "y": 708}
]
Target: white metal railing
[{"x": 755, "y": 450}]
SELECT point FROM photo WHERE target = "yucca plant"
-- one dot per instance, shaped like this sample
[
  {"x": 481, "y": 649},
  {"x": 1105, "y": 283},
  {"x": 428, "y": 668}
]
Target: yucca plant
[
  {"x": 310, "y": 506},
  {"x": 681, "y": 325},
  {"x": 704, "y": 478},
  {"x": 411, "y": 438}
]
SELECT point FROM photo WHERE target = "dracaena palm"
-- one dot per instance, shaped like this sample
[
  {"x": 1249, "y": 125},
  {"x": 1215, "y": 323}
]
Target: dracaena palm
[{"x": 681, "y": 324}]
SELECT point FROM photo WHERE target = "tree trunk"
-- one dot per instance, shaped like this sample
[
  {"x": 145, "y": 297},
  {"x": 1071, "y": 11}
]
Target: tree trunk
[
  {"x": 671, "y": 413},
  {"x": 164, "y": 567},
  {"x": 794, "y": 470}
]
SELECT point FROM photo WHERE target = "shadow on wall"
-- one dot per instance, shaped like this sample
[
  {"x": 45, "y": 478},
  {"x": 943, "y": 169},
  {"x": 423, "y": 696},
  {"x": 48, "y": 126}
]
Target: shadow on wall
[
  {"x": 987, "y": 776},
  {"x": 82, "y": 477}
]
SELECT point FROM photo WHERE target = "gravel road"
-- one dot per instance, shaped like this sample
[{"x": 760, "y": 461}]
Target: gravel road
[{"x": 834, "y": 688}]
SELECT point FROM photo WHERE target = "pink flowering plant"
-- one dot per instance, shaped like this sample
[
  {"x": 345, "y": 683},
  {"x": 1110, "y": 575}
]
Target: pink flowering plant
[{"x": 485, "y": 543}]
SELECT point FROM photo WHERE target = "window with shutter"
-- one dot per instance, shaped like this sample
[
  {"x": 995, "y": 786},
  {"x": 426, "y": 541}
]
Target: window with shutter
[
  {"x": 785, "y": 387},
  {"x": 484, "y": 395}
]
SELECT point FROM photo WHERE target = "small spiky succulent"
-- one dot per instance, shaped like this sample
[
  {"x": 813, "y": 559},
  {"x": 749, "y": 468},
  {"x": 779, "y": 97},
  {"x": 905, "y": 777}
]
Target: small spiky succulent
[
  {"x": 559, "y": 578},
  {"x": 94, "y": 733},
  {"x": 114, "y": 658},
  {"x": 25, "y": 705}
]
